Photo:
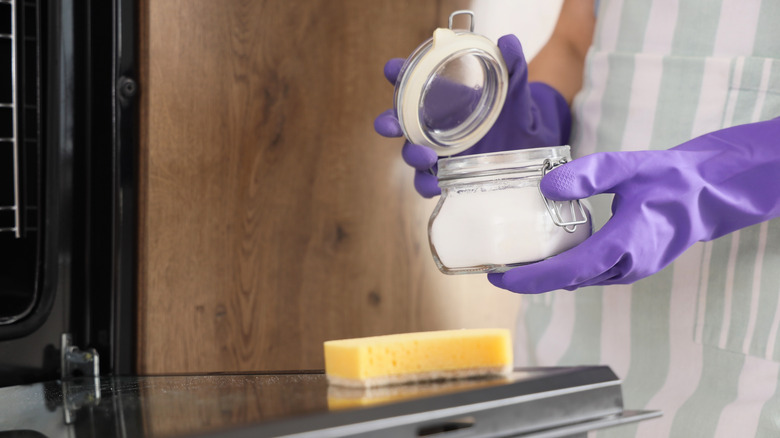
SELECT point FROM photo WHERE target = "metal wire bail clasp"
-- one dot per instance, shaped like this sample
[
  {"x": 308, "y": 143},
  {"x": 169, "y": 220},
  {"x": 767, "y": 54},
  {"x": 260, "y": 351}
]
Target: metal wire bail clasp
[
  {"x": 463, "y": 12},
  {"x": 554, "y": 207}
]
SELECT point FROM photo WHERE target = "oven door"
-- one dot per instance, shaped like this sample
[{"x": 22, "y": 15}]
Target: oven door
[{"x": 67, "y": 196}]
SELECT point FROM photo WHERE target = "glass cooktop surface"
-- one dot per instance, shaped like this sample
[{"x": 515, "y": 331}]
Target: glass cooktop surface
[{"x": 302, "y": 404}]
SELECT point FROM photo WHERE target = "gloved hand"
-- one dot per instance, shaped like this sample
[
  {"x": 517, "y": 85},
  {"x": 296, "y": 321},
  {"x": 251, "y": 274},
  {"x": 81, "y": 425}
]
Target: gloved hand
[
  {"x": 664, "y": 202},
  {"x": 534, "y": 115}
]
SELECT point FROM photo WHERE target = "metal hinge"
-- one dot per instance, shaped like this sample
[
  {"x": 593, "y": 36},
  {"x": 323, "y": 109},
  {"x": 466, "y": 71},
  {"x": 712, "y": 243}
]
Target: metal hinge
[
  {"x": 80, "y": 378},
  {"x": 78, "y": 363}
]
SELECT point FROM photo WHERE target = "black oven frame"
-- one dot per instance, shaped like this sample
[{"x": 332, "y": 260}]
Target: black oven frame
[{"x": 86, "y": 279}]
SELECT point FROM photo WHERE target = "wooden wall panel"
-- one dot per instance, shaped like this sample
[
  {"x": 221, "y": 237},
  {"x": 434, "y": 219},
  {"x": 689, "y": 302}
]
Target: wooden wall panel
[{"x": 272, "y": 216}]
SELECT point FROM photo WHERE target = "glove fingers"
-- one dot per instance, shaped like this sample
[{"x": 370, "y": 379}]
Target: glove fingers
[
  {"x": 426, "y": 184},
  {"x": 591, "y": 175},
  {"x": 512, "y": 51},
  {"x": 392, "y": 68},
  {"x": 592, "y": 261},
  {"x": 386, "y": 125},
  {"x": 600, "y": 279},
  {"x": 497, "y": 280},
  {"x": 419, "y": 157}
]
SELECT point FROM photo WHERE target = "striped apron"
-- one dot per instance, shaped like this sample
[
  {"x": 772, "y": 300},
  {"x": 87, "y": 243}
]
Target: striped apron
[{"x": 699, "y": 340}]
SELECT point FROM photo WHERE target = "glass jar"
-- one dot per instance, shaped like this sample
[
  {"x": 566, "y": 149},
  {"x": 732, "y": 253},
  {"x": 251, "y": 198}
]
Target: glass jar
[{"x": 491, "y": 215}]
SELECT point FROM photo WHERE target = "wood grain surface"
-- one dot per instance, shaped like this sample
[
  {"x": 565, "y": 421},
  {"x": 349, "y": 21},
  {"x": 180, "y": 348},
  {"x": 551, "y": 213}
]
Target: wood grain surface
[{"x": 272, "y": 216}]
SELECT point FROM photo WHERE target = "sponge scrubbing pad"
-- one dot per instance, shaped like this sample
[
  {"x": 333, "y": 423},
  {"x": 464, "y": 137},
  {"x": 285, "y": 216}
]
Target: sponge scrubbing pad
[{"x": 415, "y": 357}]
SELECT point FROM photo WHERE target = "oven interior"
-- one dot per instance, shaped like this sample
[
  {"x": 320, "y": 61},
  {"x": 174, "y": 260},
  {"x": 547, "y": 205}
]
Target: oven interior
[
  {"x": 68, "y": 160},
  {"x": 20, "y": 165}
]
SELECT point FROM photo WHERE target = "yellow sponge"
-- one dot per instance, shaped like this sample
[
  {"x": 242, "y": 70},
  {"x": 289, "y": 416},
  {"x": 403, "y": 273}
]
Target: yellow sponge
[{"x": 415, "y": 357}]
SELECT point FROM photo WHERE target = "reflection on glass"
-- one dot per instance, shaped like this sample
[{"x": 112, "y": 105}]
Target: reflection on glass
[
  {"x": 176, "y": 406},
  {"x": 344, "y": 398},
  {"x": 454, "y": 98}
]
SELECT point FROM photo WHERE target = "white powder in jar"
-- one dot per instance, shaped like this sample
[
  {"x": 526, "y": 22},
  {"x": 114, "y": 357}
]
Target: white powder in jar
[{"x": 500, "y": 227}]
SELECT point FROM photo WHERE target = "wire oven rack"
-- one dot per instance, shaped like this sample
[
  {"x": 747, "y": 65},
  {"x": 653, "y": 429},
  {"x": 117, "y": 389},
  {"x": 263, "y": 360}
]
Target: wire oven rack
[
  {"x": 9, "y": 140},
  {"x": 20, "y": 111}
]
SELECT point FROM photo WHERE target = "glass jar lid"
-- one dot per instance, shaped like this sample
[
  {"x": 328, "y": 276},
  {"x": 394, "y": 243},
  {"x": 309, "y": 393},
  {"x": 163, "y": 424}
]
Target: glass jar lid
[{"x": 451, "y": 90}]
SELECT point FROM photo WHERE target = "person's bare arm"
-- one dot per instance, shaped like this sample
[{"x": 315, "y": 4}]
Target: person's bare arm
[{"x": 561, "y": 62}]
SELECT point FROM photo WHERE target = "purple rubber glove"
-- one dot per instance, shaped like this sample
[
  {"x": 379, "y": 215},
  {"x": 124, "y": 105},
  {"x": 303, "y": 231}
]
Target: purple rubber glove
[
  {"x": 664, "y": 202},
  {"x": 534, "y": 115}
]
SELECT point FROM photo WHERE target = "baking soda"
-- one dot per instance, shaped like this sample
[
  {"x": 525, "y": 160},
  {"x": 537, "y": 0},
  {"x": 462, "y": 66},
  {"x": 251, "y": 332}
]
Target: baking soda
[{"x": 510, "y": 226}]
